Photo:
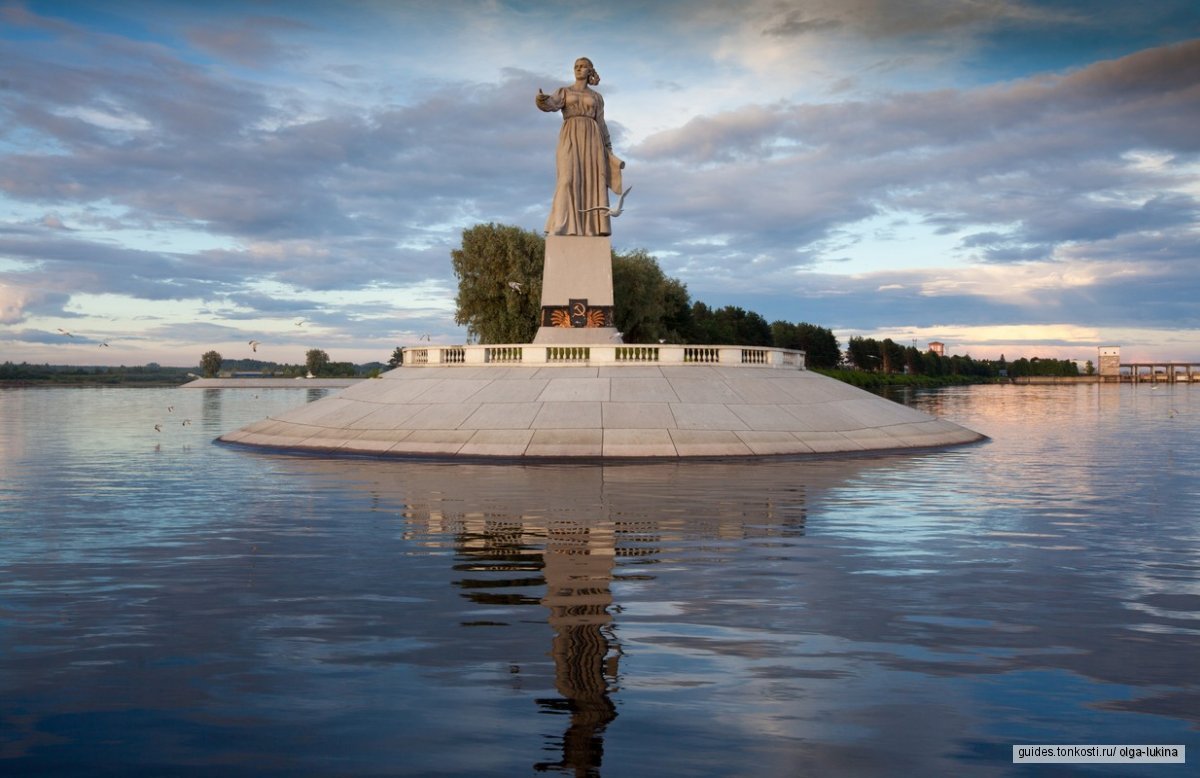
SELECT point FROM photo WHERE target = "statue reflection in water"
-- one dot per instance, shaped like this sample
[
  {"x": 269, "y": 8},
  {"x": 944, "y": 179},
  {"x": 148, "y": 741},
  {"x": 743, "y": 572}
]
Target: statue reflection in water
[
  {"x": 550, "y": 538},
  {"x": 578, "y": 570},
  {"x": 575, "y": 561}
]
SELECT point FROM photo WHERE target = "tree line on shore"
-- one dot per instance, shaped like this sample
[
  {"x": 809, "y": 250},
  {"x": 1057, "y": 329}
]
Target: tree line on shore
[
  {"x": 212, "y": 364},
  {"x": 316, "y": 364}
]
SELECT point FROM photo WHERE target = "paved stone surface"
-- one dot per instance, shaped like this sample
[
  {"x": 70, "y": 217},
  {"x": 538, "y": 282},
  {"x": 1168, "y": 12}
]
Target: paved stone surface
[{"x": 607, "y": 411}]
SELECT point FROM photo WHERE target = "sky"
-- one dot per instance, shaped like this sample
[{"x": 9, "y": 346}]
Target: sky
[{"x": 1016, "y": 177}]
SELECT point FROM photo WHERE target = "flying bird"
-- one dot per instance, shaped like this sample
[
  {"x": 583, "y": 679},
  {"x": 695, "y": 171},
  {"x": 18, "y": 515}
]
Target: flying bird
[
  {"x": 616, "y": 336},
  {"x": 424, "y": 337},
  {"x": 614, "y": 212},
  {"x": 515, "y": 286},
  {"x": 158, "y": 428},
  {"x": 104, "y": 344},
  {"x": 170, "y": 409},
  {"x": 68, "y": 334},
  {"x": 186, "y": 422},
  {"x": 300, "y": 323},
  {"x": 192, "y": 375},
  {"x": 253, "y": 344}
]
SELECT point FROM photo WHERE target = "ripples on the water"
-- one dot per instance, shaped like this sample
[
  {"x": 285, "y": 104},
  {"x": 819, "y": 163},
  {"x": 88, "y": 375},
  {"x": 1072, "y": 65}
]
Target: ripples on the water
[{"x": 171, "y": 606}]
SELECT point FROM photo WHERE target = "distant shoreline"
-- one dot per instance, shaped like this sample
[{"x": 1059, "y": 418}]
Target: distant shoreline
[{"x": 271, "y": 383}]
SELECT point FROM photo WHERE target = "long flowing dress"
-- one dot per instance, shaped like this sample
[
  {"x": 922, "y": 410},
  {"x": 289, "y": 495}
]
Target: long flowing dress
[{"x": 581, "y": 163}]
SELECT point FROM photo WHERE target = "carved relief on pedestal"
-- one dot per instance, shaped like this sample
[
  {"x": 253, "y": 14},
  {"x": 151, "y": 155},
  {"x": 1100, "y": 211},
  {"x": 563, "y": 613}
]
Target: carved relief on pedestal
[{"x": 577, "y": 314}]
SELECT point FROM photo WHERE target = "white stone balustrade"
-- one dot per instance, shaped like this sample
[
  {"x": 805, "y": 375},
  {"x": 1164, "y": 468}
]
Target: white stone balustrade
[{"x": 605, "y": 354}]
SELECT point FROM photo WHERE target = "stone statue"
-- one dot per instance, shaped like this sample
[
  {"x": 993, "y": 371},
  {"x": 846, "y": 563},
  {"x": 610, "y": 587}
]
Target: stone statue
[{"x": 586, "y": 167}]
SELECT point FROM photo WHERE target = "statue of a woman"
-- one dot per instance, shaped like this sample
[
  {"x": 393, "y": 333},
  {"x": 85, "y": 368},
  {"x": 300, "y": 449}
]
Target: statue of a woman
[{"x": 583, "y": 161}]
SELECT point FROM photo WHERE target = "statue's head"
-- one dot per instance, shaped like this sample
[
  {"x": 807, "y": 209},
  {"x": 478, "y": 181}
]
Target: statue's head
[{"x": 585, "y": 69}]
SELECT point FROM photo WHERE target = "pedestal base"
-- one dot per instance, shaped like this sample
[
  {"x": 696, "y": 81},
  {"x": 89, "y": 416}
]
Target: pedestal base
[
  {"x": 577, "y": 336},
  {"x": 577, "y": 293}
]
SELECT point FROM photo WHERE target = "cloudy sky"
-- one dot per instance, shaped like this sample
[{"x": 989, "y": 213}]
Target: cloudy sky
[{"x": 1006, "y": 176}]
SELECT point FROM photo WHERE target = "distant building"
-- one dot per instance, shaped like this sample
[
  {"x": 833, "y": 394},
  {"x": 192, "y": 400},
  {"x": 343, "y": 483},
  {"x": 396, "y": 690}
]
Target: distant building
[
  {"x": 1110, "y": 360},
  {"x": 938, "y": 348}
]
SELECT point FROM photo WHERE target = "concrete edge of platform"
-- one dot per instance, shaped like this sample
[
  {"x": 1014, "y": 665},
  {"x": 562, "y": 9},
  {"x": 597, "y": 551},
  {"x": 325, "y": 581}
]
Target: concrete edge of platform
[{"x": 476, "y": 456}]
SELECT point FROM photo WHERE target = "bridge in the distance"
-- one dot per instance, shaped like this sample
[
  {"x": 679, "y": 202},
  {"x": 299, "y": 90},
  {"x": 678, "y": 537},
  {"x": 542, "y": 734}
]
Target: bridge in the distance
[
  {"x": 1112, "y": 369},
  {"x": 1150, "y": 372}
]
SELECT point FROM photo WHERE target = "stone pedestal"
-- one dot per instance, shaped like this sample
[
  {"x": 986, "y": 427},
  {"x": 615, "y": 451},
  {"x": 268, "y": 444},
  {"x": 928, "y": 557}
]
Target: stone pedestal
[{"x": 577, "y": 292}]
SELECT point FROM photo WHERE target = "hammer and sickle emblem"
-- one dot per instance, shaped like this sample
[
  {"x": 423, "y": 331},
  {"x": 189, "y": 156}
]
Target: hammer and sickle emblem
[{"x": 579, "y": 309}]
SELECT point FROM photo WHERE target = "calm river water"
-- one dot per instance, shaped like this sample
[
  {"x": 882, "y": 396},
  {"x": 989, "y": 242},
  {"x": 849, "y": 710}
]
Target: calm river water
[{"x": 171, "y": 606}]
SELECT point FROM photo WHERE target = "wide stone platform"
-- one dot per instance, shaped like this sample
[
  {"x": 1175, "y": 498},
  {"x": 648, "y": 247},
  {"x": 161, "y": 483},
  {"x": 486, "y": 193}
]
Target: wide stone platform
[{"x": 600, "y": 402}]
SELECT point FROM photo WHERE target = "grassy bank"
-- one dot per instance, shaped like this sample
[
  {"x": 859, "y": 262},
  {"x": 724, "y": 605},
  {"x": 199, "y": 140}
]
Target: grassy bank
[{"x": 871, "y": 381}]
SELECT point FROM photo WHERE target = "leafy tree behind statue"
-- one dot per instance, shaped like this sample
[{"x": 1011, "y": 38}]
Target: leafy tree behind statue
[
  {"x": 649, "y": 305},
  {"x": 499, "y": 270}
]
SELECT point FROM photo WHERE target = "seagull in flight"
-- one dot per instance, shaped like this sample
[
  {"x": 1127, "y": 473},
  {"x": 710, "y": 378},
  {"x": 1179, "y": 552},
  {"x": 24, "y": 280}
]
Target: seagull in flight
[
  {"x": 300, "y": 323},
  {"x": 424, "y": 337},
  {"x": 104, "y": 344},
  {"x": 515, "y": 286},
  {"x": 68, "y": 334},
  {"x": 614, "y": 212},
  {"x": 253, "y": 344},
  {"x": 158, "y": 428}
]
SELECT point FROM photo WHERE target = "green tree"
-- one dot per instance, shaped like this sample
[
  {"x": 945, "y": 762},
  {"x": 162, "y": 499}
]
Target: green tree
[
  {"x": 892, "y": 356},
  {"x": 864, "y": 353},
  {"x": 499, "y": 270},
  {"x": 730, "y": 326},
  {"x": 316, "y": 360},
  {"x": 784, "y": 335},
  {"x": 677, "y": 316},
  {"x": 820, "y": 345},
  {"x": 912, "y": 361},
  {"x": 706, "y": 328},
  {"x": 397, "y": 358},
  {"x": 210, "y": 363},
  {"x": 649, "y": 306},
  {"x": 752, "y": 330}
]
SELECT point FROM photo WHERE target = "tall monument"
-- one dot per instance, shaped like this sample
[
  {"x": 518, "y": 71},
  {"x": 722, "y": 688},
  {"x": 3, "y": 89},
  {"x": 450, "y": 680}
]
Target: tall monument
[
  {"x": 577, "y": 291},
  {"x": 579, "y": 392}
]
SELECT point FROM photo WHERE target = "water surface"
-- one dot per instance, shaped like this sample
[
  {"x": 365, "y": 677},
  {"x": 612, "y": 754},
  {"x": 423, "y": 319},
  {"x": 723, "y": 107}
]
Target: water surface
[{"x": 172, "y": 606}]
